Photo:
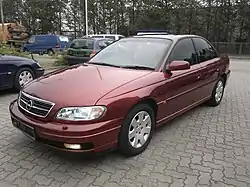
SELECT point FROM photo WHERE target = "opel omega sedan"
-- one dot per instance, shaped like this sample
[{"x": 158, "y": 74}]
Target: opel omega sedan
[{"x": 118, "y": 98}]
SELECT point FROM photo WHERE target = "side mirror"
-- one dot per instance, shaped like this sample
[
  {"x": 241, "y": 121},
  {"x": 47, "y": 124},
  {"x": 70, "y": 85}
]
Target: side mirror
[{"x": 178, "y": 65}]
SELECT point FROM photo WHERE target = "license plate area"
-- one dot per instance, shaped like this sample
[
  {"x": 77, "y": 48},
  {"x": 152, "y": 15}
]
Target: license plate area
[{"x": 26, "y": 129}]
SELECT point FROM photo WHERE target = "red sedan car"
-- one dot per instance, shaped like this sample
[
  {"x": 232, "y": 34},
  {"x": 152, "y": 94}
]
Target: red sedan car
[{"x": 119, "y": 97}]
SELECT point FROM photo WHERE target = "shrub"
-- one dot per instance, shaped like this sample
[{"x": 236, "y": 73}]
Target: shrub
[
  {"x": 61, "y": 60},
  {"x": 12, "y": 51}
]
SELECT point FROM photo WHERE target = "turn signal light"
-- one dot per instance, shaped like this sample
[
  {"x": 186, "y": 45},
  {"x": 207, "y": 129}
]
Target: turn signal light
[{"x": 92, "y": 54}]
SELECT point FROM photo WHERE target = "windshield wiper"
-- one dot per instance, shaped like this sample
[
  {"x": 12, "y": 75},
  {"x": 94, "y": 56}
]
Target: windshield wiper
[
  {"x": 103, "y": 64},
  {"x": 138, "y": 67}
]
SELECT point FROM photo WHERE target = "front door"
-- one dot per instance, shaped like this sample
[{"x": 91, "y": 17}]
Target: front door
[
  {"x": 182, "y": 88},
  {"x": 5, "y": 74}
]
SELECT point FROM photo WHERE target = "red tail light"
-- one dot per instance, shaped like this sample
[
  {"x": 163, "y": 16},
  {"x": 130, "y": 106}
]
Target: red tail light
[
  {"x": 57, "y": 46},
  {"x": 92, "y": 54}
]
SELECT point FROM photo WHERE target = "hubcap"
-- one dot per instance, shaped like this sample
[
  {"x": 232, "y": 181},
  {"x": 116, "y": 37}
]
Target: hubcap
[
  {"x": 219, "y": 91},
  {"x": 139, "y": 129},
  {"x": 24, "y": 78}
]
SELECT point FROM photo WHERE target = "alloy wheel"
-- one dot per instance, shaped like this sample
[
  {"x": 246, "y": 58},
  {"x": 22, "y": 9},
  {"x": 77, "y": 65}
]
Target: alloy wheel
[
  {"x": 24, "y": 78},
  {"x": 219, "y": 91},
  {"x": 139, "y": 129}
]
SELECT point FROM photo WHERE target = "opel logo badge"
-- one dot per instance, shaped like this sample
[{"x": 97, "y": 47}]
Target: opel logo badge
[{"x": 29, "y": 105}]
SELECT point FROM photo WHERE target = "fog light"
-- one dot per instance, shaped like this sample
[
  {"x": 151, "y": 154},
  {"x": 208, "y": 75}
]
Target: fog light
[{"x": 72, "y": 146}]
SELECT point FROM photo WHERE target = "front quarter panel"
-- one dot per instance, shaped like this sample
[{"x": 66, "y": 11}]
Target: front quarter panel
[{"x": 120, "y": 101}]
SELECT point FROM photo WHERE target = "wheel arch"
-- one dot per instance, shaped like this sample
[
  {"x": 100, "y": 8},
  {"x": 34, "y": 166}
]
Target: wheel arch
[
  {"x": 150, "y": 101},
  {"x": 224, "y": 76},
  {"x": 23, "y": 66}
]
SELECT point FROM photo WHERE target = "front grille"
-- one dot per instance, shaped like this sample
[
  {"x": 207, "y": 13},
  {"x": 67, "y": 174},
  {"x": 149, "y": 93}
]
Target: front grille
[{"x": 34, "y": 106}]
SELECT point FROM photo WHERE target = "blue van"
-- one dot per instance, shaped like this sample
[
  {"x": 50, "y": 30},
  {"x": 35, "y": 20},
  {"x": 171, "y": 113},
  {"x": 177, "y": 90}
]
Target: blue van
[{"x": 49, "y": 43}]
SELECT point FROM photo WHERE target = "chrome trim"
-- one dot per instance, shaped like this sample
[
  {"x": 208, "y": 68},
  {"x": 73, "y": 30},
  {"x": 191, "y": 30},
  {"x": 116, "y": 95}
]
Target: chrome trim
[
  {"x": 35, "y": 106},
  {"x": 36, "y": 99}
]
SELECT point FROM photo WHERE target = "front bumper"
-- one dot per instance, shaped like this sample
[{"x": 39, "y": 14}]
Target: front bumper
[
  {"x": 228, "y": 75},
  {"x": 73, "y": 60},
  {"x": 96, "y": 137},
  {"x": 39, "y": 72}
]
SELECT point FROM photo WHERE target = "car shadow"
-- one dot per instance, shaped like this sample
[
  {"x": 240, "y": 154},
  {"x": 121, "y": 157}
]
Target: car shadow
[
  {"x": 7, "y": 92},
  {"x": 111, "y": 155},
  {"x": 81, "y": 160}
]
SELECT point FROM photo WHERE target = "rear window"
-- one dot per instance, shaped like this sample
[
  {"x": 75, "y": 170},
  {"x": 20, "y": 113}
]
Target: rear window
[
  {"x": 120, "y": 37},
  {"x": 96, "y": 36},
  {"x": 82, "y": 44},
  {"x": 103, "y": 43},
  {"x": 110, "y": 37},
  {"x": 63, "y": 39}
]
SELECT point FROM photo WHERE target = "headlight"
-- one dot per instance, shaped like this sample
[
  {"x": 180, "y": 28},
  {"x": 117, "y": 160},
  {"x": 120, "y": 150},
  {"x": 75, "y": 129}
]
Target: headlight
[
  {"x": 38, "y": 64},
  {"x": 81, "y": 113}
]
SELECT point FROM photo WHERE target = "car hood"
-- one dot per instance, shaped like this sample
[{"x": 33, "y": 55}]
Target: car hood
[
  {"x": 13, "y": 58},
  {"x": 81, "y": 85}
]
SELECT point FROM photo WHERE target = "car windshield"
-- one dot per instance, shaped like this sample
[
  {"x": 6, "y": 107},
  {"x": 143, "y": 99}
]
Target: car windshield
[
  {"x": 82, "y": 44},
  {"x": 142, "y": 52}
]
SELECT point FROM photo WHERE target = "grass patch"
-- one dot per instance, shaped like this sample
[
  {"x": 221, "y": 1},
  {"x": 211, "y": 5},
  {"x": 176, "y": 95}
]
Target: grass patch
[{"x": 61, "y": 60}]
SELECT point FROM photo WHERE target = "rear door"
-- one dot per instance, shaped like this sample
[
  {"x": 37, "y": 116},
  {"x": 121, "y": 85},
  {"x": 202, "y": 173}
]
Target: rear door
[{"x": 209, "y": 61}]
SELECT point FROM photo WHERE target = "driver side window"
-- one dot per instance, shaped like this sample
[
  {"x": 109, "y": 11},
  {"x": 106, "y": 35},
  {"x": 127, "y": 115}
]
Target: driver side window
[{"x": 184, "y": 51}]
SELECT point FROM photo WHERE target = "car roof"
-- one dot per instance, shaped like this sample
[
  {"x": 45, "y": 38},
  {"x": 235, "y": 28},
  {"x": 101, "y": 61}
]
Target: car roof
[
  {"x": 165, "y": 36},
  {"x": 105, "y": 35},
  {"x": 89, "y": 38}
]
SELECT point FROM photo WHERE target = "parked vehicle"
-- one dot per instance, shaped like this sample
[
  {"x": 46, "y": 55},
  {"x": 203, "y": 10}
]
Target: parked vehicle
[
  {"x": 81, "y": 50},
  {"x": 122, "y": 94},
  {"x": 151, "y": 32},
  {"x": 15, "y": 72},
  {"x": 113, "y": 37},
  {"x": 47, "y": 44}
]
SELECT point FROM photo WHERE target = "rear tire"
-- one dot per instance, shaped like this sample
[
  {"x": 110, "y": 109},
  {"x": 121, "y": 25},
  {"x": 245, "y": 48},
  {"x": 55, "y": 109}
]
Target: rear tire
[
  {"x": 218, "y": 93},
  {"x": 50, "y": 52},
  {"x": 137, "y": 130},
  {"x": 23, "y": 77},
  {"x": 25, "y": 50}
]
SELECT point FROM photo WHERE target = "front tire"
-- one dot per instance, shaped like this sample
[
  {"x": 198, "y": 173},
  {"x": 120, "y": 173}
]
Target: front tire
[
  {"x": 23, "y": 77},
  {"x": 218, "y": 93},
  {"x": 137, "y": 130}
]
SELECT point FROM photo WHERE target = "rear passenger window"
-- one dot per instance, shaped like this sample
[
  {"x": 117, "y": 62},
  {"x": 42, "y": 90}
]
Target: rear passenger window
[
  {"x": 204, "y": 50},
  {"x": 184, "y": 50},
  {"x": 110, "y": 37}
]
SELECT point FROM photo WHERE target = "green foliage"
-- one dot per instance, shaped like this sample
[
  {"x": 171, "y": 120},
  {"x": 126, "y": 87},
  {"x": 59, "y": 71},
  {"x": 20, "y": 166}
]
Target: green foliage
[
  {"x": 13, "y": 52},
  {"x": 217, "y": 20},
  {"x": 60, "y": 60}
]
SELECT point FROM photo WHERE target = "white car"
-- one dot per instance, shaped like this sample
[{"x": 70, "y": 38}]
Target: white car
[{"x": 114, "y": 37}]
